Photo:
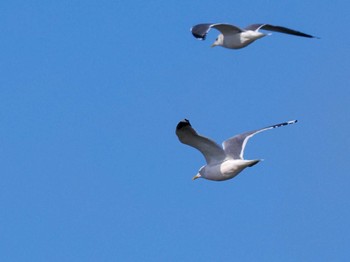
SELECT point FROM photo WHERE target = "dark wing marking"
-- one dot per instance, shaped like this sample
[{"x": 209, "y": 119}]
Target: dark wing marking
[
  {"x": 279, "y": 29},
  {"x": 187, "y": 135},
  {"x": 234, "y": 147},
  {"x": 200, "y": 31}
]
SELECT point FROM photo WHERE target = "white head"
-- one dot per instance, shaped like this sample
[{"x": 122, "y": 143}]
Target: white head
[
  {"x": 200, "y": 173},
  {"x": 219, "y": 41}
]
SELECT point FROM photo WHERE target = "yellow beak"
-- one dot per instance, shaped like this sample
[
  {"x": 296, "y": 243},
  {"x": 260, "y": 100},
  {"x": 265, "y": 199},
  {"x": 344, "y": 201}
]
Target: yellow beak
[
  {"x": 213, "y": 45},
  {"x": 196, "y": 176}
]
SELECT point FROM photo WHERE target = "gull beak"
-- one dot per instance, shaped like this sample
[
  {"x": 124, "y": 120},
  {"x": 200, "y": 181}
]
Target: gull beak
[
  {"x": 196, "y": 176},
  {"x": 213, "y": 45}
]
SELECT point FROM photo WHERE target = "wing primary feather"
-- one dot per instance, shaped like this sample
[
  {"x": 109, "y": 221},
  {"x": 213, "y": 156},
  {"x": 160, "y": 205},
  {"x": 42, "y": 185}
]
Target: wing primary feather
[
  {"x": 279, "y": 29},
  {"x": 234, "y": 147},
  {"x": 187, "y": 135},
  {"x": 200, "y": 31}
]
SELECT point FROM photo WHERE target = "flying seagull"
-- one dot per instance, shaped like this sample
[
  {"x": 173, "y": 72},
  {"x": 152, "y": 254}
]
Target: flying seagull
[
  {"x": 222, "y": 162},
  {"x": 234, "y": 37}
]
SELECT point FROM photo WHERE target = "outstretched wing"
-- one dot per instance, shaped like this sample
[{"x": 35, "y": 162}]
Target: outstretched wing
[
  {"x": 200, "y": 31},
  {"x": 187, "y": 135},
  {"x": 279, "y": 29},
  {"x": 234, "y": 146}
]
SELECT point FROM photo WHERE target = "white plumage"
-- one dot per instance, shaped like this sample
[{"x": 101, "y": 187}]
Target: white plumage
[
  {"x": 234, "y": 37},
  {"x": 222, "y": 162}
]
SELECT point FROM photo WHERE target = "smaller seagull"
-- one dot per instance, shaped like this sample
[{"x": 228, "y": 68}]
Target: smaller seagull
[
  {"x": 223, "y": 162},
  {"x": 234, "y": 37}
]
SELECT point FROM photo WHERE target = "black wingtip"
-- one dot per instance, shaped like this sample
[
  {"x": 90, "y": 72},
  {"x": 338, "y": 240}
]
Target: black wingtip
[
  {"x": 198, "y": 36},
  {"x": 285, "y": 123},
  {"x": 200, "y": 31},
  {"x": 182, "y": 124}
]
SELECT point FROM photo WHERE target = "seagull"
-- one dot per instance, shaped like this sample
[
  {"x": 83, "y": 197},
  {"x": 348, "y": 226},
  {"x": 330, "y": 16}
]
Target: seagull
[
  {"x": 223, "y": 162},
  {"x": 234, "y": 37}
]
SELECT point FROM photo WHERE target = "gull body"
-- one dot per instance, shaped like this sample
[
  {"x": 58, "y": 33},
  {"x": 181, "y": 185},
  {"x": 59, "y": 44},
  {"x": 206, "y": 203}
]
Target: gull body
[
  {"x": 234, "y": 37},
  {"x": 237, "y": 41},
  {"x": 227, "y": 169},
  {"x": 223, "y": 162}
]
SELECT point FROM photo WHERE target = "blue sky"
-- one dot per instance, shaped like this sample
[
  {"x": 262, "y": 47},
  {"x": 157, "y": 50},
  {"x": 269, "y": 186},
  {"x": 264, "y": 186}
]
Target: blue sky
[{"x": 91, "y": 169}]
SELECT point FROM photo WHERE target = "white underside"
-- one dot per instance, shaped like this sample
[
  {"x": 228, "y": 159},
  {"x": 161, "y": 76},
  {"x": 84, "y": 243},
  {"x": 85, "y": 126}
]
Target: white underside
[
  {"x": 237, "y": 41},
  {"x": 225, "y": 170}
]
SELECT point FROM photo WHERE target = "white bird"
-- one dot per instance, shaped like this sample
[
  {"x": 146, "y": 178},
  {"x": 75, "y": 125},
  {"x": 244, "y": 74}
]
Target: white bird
[
  {"x": 234, "y": 37},
  {"x": 222, "y": 162}
]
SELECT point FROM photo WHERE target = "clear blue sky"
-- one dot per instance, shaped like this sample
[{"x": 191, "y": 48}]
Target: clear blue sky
[{"x": 91, "y": 169}]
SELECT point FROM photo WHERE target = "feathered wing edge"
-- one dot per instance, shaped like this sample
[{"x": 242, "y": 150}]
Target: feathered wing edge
[
  {"x": 200, "y": 31},
  {"x": 210, "y": 150},
  {"x": 279, "y": 29},
  {"x": 234, "y": 147}
]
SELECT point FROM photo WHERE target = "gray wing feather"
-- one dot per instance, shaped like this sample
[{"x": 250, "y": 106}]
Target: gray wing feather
[
  {"x": 227, "y": 28},
  {"x": 200, "y": 31},
  {"x": 211, "y": 150},
  {"x": 234, "y": 147},
  {"x": 279, "y": 29}
]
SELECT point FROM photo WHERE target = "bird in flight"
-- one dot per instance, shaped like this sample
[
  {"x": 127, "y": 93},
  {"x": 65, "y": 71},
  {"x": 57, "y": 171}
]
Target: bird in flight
[
  {"x": 223, "y": 162},
  {"x": 233, "y": 37}
]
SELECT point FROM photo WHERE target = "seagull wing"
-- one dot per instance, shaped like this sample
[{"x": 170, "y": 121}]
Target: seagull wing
[
  {"x": 279, "y": 29},
  {"x": 234, "y": 146},
  {"x": 212, "y": 152},
  {"x": 200, "y": 31}
]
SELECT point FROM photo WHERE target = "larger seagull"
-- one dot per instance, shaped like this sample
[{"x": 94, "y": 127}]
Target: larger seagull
[
  {"x": 222, "y": 162},
  {"x": 234, "y": 37}
]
